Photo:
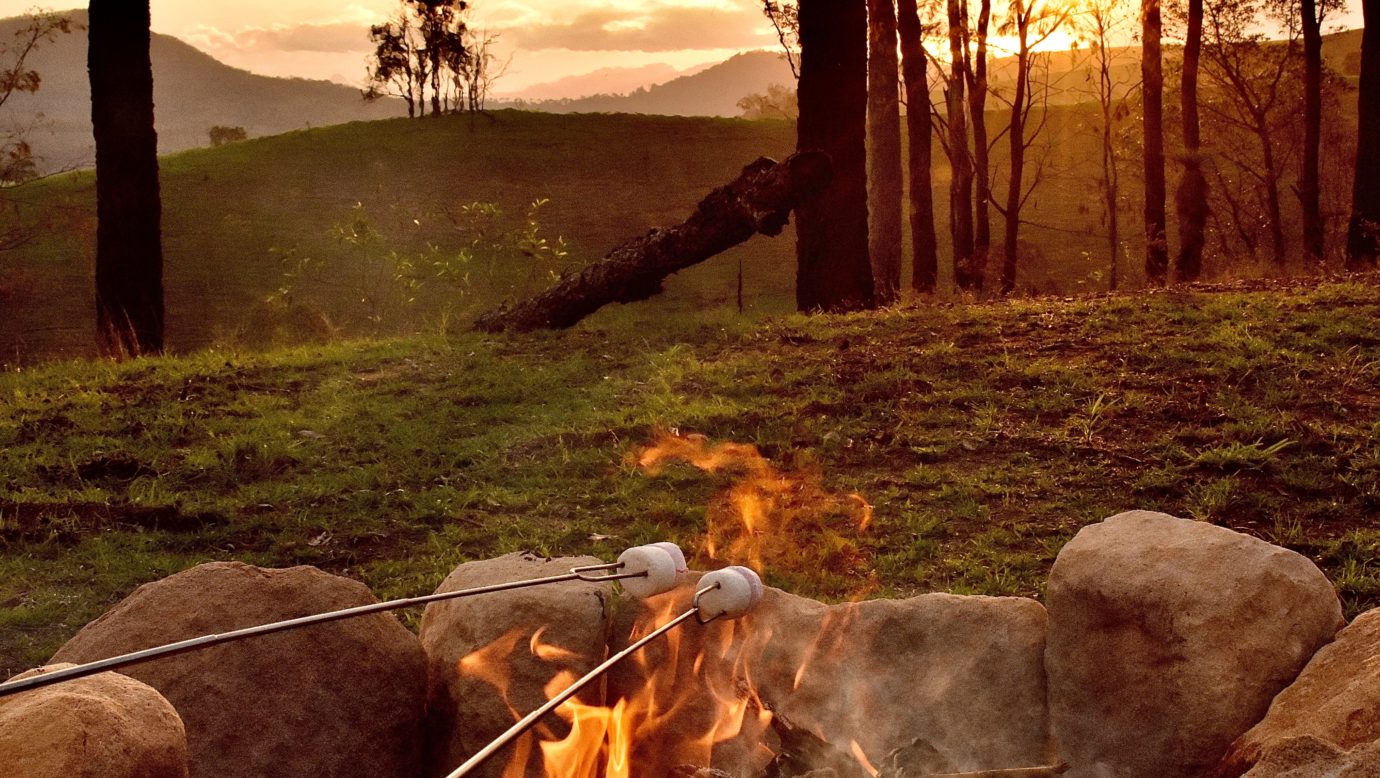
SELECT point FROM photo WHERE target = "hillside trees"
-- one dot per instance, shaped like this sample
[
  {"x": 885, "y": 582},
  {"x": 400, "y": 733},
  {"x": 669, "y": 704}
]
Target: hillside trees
[
  {"x": 427, "y": 55},
  {"x": 920, "y": 134},
  {"x": 1032, "y": 22},
  {"x": 1363, "y": 232},
  {"x": 19, "y": 226},
  {"x": 1191, "y": 198},
  {"x": 1310, "y": 185},
  {"x": 884, "y": 129},
  {"x": 129, "y": 253},
  {"x": 968, "y": 274},
  {"x": 976, "y": 70},
  {"x": 1152, "y": 132},
  {"x": 1255, "y": 83},
  {"x": 1106, "y": 19},
  {"x": 833, "y": 271}
]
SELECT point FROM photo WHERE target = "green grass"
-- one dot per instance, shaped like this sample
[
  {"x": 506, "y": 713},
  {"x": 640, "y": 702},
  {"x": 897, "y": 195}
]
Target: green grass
[
  {"x": 232, "y": 214},
  {"x": 984, "y": 436}
]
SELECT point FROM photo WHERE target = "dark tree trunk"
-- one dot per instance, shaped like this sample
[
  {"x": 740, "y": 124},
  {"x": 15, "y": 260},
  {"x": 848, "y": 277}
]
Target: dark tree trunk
[
  {"x": 759, "y": 201},
  {"x": 977, "y": 113},
  {"x": 129, "y": 253},
  {"x": 1016, "y": 136},
  {"x": 1191, "y": 200},
  {"x": 884, "y": 125},
  {"x": 833, "y": 272},
  {"x": 1363, "y": 234},
  {"x": 1310, "y": 185},
  {"x": 920, "y": 133},
  {"x": 1152, "y": 90},
  {"x": 966, "y": 275},
  {"x": 1272, "y": 205}
]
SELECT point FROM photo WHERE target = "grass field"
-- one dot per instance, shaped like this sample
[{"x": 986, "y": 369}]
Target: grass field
[
  {"x": 233, "y": 213},
  {"x": 984, "y": 436}
]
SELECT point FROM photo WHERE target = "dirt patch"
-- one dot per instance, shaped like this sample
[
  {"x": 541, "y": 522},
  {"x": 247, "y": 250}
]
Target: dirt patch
[{"x": 68, "y": 522}]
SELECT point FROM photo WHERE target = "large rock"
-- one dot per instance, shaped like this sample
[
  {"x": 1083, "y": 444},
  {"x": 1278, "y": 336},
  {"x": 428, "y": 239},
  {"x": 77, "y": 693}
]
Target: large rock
[
  {"x": 487, "y": 664},
  {"x": 1168, "y": 638},
  {"x": 964, "y": 674},
  {"x": 1310, "y": 757},
  {"x": 340, "y": 699},
  {"x": 102, "y": 726},
  {"x": 1336, "y": 699}
]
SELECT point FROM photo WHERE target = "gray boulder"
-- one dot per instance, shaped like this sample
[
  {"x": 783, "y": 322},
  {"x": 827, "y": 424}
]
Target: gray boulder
[
  {"x": 1335, "y": 699},
  {"x": 103, "y": 726},
  {"x": 963, "y": 674},
  {"x": 486, "y": 669},
  {"x": 1168, "y": 638},
  {"x": 338, "y": 699}
]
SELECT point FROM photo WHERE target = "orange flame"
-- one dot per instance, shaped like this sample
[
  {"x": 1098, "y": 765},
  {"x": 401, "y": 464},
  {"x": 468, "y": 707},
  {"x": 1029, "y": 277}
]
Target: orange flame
[
  {"x": 694, "y": 693},
  {"x": 768, "y": 517}
]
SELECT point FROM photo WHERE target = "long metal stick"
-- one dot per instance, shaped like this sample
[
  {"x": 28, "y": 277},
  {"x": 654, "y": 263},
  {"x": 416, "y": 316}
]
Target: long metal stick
[
  {"x": 530, "y": 720},
  {"x": 192, "y": 644}
]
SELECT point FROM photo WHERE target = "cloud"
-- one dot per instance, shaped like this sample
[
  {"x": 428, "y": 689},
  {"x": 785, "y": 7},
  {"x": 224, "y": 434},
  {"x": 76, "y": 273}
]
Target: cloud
[
  {"x": 334, "y": 37},
  {"x": 659, "y": 28}
]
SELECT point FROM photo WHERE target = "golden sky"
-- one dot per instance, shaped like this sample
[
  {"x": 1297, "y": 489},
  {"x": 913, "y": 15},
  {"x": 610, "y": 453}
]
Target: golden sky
[{"x": 549, "y": 39}]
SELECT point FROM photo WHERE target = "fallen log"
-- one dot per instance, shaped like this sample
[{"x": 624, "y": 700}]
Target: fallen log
[{"x": 760, "y": 200}]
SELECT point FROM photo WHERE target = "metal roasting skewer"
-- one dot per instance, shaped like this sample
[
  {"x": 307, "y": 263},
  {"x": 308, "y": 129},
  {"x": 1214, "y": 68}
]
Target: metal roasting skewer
[
  {"x": 531, "y": 719},
  {"x": 583, "y": 573}
]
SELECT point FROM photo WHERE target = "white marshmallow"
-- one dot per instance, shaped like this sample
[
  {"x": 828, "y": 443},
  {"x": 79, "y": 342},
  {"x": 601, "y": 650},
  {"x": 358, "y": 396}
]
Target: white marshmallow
[
  {"x": 676, "y": 554},
  {"x": 659, "y": 567},
  {"x": 736, "y": 591}
]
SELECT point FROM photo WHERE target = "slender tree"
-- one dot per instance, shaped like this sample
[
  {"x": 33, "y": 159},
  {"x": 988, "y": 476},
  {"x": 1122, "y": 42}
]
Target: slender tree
[
  {"x": 884, "y": 128},
  {"x": 1152, "y": 92},
  {"x": 1032, "y": 22},
  {"x": 833, "y": 271},
  {"x": 1191, "y": 199},
  {"x": 1105, "y": 20},
  {"x": 1363, "y": 234},
  {"x": 1253, "y": 77},
  {"x": 129, "y": 251},
  {"x": 966, "y": 274},
  {"x": 920, "y": 134},
  {"x": 977, "y": 114},
  {"x": 1310, "y": 184}
]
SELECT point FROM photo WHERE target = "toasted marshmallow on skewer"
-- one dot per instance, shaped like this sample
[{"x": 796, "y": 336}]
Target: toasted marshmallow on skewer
[
  {"x": 735, "y": 591},
  {"x": 663, "y": 570}
]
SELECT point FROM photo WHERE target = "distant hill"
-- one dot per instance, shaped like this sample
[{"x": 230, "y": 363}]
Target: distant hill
[
  {"x": 192, "y": 92},
  {"x": 713, "y": 91}
]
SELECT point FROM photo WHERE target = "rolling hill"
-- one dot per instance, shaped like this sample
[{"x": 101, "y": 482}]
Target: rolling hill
[
  {"x": 714, "y": 91},
  {"x": 192, "y": 92}
]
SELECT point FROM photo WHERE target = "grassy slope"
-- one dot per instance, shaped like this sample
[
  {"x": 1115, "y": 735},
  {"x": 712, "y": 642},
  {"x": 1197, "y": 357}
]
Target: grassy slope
[
  {"x": 985, "y": 436},
  {"x": 608, "y": 177}
]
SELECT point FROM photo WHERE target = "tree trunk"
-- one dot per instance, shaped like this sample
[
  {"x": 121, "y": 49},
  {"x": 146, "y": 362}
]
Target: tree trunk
[
  {"x": 1310, "y": 185},
  {"x": 884, "y": 125},
  {"x": 1363, "y": 233},
  {"x": 760, "y": 200},
  {"x": 977, "y": 113},
  {"x": 1016, "y": 136},
  {"x": 961, "y": 187},
  {"x": 833, "y": 272},
  {"x": 920, "y": 133},
  {"x": 1152, "y": 90},
  {"x": 1191, "y": 200},
  {"x": 1272, "y": 204},
  {"x": 1110, "y": 175},
  {"x": 129, "y": 252}
]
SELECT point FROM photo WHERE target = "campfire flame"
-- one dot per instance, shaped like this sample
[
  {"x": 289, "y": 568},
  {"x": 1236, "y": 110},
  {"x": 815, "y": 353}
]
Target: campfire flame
[
  {"x": 693, "y": 691},
  {"x": 768, "y": 518}
]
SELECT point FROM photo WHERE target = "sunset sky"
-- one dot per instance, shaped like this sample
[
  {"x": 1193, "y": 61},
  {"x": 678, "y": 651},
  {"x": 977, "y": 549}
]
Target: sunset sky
[
  {"x": 552, "y": 38},
  {"x": 548, "y": 39}
]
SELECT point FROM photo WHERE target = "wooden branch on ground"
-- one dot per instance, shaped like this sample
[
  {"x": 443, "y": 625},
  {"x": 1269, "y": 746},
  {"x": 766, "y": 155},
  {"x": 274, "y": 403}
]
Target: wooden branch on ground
[{"x": 760, "y": 200}]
